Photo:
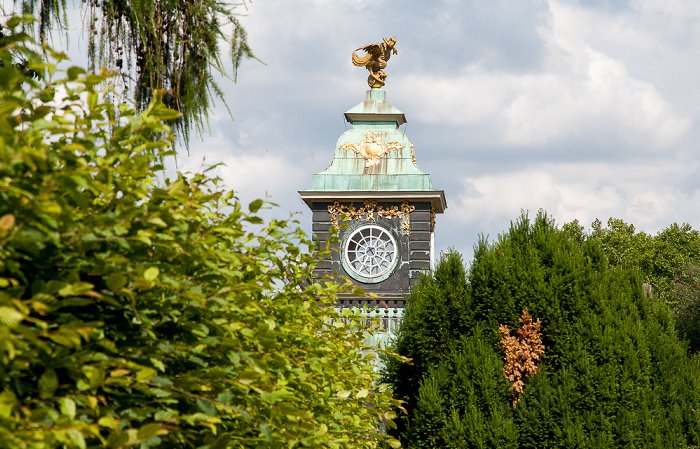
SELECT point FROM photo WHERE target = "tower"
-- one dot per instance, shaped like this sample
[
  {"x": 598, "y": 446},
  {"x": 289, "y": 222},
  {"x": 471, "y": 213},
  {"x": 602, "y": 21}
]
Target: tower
[{"x": 390, "y": 204}]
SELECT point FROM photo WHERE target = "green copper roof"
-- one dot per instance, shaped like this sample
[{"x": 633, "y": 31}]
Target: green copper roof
[{"x": 374, "y": 155}]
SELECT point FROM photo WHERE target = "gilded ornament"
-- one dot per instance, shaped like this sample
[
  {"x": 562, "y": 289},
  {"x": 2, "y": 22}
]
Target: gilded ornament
[
  {"x": 375, "y": 60},
  {"x": 432, "y": 219},
  {"x": 406, "y": 210},
  {"x": 337, "y": 209},
  {"x": 413, "y": 154},
  {"x": 372, "y": 149}
]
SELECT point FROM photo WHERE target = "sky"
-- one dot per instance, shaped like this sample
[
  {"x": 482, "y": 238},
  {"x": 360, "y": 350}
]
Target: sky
[{"x": 586, "y": 109}]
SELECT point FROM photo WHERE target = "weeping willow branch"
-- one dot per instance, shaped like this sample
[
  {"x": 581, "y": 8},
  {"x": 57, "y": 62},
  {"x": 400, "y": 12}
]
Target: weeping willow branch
[{"x": 171, "y": 45}]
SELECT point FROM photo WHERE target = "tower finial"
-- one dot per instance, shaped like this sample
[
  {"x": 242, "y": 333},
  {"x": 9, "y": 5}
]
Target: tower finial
[{"x": 375, "y": 60}]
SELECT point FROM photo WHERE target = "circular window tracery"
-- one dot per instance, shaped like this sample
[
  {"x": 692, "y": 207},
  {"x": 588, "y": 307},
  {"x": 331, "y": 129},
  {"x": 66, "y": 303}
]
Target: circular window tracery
[{"x": 370, "y": 251}]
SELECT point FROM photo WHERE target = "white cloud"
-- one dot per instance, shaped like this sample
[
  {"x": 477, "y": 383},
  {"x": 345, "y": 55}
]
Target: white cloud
[
  {"x": 586, "y": 111},
  {"x": 579, "y": 92},
  {"x": 245, "y": 168},
  {"x": 642, "y": 194}
]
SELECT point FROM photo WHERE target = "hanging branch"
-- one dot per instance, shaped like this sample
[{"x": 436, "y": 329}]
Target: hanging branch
[
  {"x": 159, "y": 44},
  {"x": 521, "y": 353}
]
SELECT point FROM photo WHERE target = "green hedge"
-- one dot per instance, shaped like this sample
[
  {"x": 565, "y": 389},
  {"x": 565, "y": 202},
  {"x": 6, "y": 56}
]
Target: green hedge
[{"x": 614, "y": 373}]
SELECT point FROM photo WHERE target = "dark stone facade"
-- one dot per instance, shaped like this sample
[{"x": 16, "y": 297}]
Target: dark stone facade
[{"x": 413, "y": 250}]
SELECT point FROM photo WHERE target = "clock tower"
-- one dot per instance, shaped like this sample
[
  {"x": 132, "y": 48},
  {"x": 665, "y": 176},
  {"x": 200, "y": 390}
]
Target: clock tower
[
  {"x": 381, "y": 204},
  {"x": 388, "y": 203}
]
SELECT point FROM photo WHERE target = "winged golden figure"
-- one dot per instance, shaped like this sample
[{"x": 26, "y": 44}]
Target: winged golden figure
[
  {"x": 375, "y": 60},
  {"x": 372, "y": 149}
]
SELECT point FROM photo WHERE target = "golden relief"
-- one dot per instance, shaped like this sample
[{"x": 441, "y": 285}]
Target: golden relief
[
  {"x": 337, "y": 209},
  {"x": 372, "y": 149},
  {"x": 375, "y": 60},
  {"x": 432, "y": 219}
]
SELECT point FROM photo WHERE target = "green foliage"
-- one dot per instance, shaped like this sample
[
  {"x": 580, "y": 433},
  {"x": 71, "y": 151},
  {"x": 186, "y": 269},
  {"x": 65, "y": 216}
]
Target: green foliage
[
  {"x": 668, "y": 261},
  {"x": 142, "y": 313},
  {"x": 613, "y": 373},
  {"x": 171, "y": 45}
]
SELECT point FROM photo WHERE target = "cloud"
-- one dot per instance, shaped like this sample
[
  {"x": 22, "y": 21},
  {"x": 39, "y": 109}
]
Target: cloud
[
  {"x": 642, "y": 194},
  {"x": 580, "y": 93},
  {"x": 246, "y": 169},
  {"x": 588, "y": 109}
]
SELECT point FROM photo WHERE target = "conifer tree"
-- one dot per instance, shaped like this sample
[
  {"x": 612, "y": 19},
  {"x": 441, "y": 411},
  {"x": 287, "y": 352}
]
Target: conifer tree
[{"x": 614, "y": 373}]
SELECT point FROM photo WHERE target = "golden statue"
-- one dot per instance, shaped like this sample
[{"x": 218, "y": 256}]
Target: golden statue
[{"x": 375, "y": 60}]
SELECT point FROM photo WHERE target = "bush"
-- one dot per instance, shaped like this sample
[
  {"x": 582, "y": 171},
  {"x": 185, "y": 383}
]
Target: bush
[
  {"x": 613, "y": 372},
  {"x": 142, "y": 312}
]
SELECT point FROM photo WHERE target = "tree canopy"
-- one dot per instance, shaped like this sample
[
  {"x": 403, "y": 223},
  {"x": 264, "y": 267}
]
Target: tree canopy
[
  {"x": 142, "y": 311},
  {"x": 168, "y": 45},
  {"x": 669, "y": 262},
  {"x": 613, "y": 372}
]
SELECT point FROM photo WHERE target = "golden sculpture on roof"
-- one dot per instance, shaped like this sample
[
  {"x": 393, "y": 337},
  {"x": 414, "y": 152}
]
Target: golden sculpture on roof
[{"x": 375, "y": 60}]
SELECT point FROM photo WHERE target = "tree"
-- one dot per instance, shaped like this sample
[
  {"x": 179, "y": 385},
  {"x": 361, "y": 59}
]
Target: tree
[
  {"x": 168, "y": 45},
  {"x": 139, "y": 312},
  {"x": 669, "y": 263},
  {"x": 613, "y": 372}
]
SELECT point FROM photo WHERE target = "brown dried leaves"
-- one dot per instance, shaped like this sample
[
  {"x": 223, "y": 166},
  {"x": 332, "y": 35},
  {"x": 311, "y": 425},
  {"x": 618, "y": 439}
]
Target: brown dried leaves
[{"x": 521, "y": 353}]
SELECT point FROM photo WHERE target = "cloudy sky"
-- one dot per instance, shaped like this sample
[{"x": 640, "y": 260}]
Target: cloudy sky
[{"x": 587, "y": 109}]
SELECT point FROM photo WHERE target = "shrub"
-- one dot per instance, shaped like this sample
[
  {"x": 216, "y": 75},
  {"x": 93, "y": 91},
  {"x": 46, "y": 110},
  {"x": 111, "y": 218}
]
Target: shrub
[
  {"x": 614, "y": 373},
  {"x": 135, "y": 311}
]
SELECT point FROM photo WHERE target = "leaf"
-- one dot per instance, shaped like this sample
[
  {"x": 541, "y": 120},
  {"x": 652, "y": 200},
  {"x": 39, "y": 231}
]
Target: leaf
[
  {"x": 74, "y": 72},
  {"x": 343, "y": 394},
  {"x": 117, "y": 439},
  {"x": 10, "y": 317},
  {"x": 206, "y": 406},
  {"x": 254, "y": 220},
  {"x": 106, "y": 421},
  {"x": 7, "y": 221},
  {"x": 266, "y": 431},
  {"x": 151, "y": 273},
  {"x": 158, "y": 222},
  {"x": 247, "y": 377},
  {"x": 77, "y": 437},
  {"x": 396, "y": 444},
  {"x": 158, "y": 364},
  {"x": 149, "y": 430},
  {"x": 77, "y": 288},
  {"x": 177, "y": 187},
  {"x": 95, "y": 376},
  {"x": 362, "y": 394},
  {"x": 48, "y": 383},
  {"x": 145, "y": 373},
  {"x": 67, "y": 407},
  {"x": 116, "y": 281},
  {"x": 255, "y": 206}
]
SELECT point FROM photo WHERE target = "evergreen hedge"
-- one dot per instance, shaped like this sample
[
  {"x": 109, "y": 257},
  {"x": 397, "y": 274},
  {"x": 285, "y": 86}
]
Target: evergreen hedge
[{"x": 613, "y": 374}]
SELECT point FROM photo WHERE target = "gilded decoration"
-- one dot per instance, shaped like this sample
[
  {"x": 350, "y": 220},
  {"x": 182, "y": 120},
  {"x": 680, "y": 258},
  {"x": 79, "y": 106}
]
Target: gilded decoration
[
  {"x": 375, "y": 60},
  {"x": 432, "y": 219},
  {"x": 372, "y": 149},
  {"x": 413, "y": 154},
  {"x": 370, "y": 207}
]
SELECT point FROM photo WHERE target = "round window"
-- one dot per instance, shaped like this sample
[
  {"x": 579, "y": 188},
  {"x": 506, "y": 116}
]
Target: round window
[{"x": 370, "y": 251}]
